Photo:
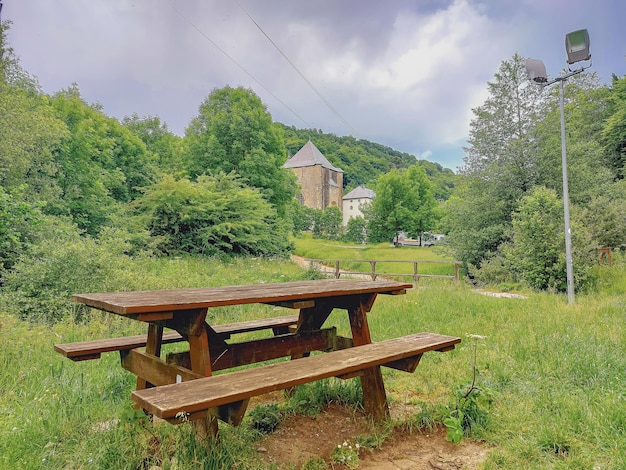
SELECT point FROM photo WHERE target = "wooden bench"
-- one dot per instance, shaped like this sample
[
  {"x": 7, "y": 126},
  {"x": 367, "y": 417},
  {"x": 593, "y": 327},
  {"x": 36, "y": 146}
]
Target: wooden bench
[
  {"x": 226, "y": 396},
  {"x": 86, "y": 350}
]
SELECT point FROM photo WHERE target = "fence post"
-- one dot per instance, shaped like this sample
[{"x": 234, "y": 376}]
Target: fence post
[
  {"x": 416, "y": 276},
  {"x": 337, "y": 274},
  {"x": 373, "y": 265},
  {"x": 456, "y": 272}
]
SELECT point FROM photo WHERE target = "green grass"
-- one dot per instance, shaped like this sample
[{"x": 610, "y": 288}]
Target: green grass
[
  {"x": 556, "y": 373},
  {"x": 400, "y": 258}
]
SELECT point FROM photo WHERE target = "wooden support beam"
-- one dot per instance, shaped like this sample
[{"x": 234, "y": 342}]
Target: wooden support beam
[
  {"x": 251, "y": 352},
  {"x": 153, "y": 370}
]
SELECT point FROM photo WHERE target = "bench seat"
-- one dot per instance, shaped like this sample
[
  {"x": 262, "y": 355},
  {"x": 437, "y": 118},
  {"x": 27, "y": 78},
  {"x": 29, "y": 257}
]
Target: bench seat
[
  {"x": 225, "y": 395},
  {"x": 85, "y": 350}
]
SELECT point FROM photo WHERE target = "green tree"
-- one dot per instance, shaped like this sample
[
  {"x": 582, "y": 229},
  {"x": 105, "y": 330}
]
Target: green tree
[
  {"x": 19, "y": 221},
  {"x": 356, "y": 230},
  {"x": 331, "y": 223},
  {"x": 502, "y": 132},
  {"x": 233, "y": 132},
  {"x": 586, "y": 110},
  {"x": 537, "y": 251},
  {"x": 214, "y": 214},
  {"x": 11, "y": 72},
  {"x": 29, "y": 138},
  {"x": 29, "y": 132},
  {"x": 614, "y": 132},
  {"x": 301, "y": 217},
  {"x": 164, "y": 145},
  {"x": 404, "y": 202},
  {"x": 390, "y": 212},
  {"x": 476, "y": 221},
  {"x": 101, "y": 163},
  {"x": 605, "y": 217},
  {"x": 317, "y": 225},
  {"x": 424, "y": 203}
]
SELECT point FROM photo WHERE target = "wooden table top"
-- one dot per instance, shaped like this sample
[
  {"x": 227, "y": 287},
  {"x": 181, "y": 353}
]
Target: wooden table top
[{"x": 186, "y": 299}]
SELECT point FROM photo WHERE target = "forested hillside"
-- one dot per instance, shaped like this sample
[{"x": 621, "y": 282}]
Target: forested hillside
[{"x": 363, "y": 161}]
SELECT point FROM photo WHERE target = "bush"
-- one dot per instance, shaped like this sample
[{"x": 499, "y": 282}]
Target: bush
[
  {"x": 216, "y": 214},
  {"x": 536, "y": 253},
  {"x": 41, "y": 283},
  {"x": 18, "y": 223}
]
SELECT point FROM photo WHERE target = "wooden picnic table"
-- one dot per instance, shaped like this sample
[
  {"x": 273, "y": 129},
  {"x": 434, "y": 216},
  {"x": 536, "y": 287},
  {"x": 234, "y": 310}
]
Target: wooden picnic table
[{"x": 185, "y": 311}]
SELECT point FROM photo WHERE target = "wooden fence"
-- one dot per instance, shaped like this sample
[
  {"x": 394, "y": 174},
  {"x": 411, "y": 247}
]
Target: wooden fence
[{"x": 326, "y": 267}]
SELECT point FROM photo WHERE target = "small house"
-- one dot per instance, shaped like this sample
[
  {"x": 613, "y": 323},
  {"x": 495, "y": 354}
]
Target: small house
[{"x": 355, "y": 201}]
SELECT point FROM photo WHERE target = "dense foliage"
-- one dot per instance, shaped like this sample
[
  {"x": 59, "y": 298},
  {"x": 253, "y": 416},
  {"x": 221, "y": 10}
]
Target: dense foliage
[
  {"x": 211, "y": 215},
  {"x": 403, "y": 203},
  {"x": 504, "y": 216},
  {"x": 233, "y": 132},
  {"x": 101, "y": 163},
  {"x": 18, "y": 222}
]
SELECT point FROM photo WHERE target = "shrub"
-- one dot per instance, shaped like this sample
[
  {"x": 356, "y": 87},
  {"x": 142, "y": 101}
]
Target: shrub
[
  {"x": 215, "y": 214},
  {"x": 537, "y": 250},
  {"x": 18, "y": 221},
  {"x": 41, "y": 283}
]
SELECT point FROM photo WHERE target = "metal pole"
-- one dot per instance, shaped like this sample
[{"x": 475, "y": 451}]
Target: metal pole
[{"x": 568, "y": 232}]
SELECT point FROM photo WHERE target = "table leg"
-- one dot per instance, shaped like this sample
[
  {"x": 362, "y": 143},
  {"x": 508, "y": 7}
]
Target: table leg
[
  {"x": 201, "y": 364},
  {"x": 374, "y": 395},
  {"x": 153, "y": 347}
]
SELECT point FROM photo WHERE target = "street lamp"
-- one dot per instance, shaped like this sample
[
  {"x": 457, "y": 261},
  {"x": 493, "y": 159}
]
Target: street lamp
[{"x": 577, "y": 49}]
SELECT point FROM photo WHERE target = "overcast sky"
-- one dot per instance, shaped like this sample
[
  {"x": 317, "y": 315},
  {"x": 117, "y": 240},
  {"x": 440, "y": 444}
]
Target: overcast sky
[{"x": 398, "y": 72}]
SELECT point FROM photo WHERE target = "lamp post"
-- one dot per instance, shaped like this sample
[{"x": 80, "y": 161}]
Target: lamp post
[{"x": 577, "y": 48}]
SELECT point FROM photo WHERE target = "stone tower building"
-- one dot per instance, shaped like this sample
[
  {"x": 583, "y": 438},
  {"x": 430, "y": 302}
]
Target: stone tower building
[{"x": 320, "y": 182}]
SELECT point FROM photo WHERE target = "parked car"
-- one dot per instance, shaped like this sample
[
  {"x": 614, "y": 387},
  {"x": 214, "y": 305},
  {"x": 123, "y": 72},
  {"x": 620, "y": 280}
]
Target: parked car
[{"x": 428, "y": 240}]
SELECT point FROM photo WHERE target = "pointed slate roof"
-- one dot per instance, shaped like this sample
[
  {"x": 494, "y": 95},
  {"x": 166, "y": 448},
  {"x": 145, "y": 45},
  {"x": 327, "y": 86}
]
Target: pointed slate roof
[
  {"x": 309, "y": 155},
  {"x": 360, "y": 192}
]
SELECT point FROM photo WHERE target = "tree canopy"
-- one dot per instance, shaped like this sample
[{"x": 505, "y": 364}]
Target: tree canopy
[
  {"x": 233, "y": 132},
  {"x": 404, "y": 203}
]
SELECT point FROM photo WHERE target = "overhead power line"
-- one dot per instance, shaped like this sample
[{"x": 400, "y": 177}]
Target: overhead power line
[
  {"x": 308, "y": 82},
  {"x": 203, "y": 34}
]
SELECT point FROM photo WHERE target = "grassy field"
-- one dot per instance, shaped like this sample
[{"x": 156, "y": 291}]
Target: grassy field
[
  {"x": 555, "y": 374},
  {"x": 433, "y": 260}
]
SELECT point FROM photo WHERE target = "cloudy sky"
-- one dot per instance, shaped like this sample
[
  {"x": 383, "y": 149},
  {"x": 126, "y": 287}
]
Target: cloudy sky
[{"x": 403, "y": 73}]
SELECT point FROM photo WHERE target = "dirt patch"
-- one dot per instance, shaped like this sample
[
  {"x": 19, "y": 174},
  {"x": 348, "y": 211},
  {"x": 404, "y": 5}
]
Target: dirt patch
[{"x": 301, "y": 438}]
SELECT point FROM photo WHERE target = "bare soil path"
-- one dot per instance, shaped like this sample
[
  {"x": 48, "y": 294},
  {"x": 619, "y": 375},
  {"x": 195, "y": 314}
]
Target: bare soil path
[{"x": 301, "y": 438}]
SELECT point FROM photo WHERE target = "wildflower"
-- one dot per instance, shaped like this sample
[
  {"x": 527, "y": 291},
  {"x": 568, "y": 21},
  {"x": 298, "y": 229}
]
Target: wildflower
[{"x": 477, "y": 337}]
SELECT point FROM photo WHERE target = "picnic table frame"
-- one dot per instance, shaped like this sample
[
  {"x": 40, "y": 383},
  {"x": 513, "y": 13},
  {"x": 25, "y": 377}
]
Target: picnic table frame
[{"x": 185, "y": 311}]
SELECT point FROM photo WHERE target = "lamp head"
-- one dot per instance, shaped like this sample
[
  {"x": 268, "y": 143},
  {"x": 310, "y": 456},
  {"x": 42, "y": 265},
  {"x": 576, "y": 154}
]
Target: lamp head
[
  {"x": 536, "y": 71},
  {"x": 577, "y": 46}
]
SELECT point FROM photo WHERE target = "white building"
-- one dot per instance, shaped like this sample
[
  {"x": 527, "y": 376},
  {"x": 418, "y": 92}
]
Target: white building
[{"x": 355, "y": 201}]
